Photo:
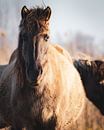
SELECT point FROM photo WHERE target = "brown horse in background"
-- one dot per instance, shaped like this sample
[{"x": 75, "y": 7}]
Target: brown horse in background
[
  {"x": 92, "y": 75},
  {"x": 40, "y": 88}
]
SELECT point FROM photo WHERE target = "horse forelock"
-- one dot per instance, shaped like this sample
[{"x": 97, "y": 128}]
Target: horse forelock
[
  {"x": 36, "y": 12},
  {"x": 35, "y": 20}
]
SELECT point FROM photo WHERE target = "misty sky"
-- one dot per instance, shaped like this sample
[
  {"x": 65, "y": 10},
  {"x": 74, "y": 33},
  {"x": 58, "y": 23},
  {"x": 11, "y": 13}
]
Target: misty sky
[{"x": 85, "y": 16}]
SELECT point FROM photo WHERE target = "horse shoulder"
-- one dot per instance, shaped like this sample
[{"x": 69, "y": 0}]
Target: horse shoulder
[{"x": 63, "y": 52}]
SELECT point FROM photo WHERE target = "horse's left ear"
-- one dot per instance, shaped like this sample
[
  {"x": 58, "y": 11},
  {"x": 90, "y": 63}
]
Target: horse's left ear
[
  {"x": 24, "y": 12},
  {"x": 46, "y": 13}
]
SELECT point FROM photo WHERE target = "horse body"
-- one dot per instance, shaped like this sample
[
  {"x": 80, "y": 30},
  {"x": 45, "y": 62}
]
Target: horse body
[
  {"x": 40, "y": 88},
  {"x": 54, "y": 101}
]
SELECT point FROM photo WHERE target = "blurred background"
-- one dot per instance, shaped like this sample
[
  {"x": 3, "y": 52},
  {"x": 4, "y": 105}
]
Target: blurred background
[{"x": 77, "y": 25}]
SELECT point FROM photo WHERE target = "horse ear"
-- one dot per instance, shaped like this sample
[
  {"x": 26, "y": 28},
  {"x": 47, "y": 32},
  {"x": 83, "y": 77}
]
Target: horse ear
[
  {"x": 24, "y": 12},
  {"x": 46, "y": 13}
]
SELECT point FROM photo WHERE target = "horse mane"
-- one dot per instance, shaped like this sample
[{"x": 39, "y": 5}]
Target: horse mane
[
  {"x": 36, "y": 14},
  {"x": 19, "y": 67}
]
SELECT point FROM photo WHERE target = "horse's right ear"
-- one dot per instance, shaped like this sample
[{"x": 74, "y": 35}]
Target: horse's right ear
[
  {"x": 24, "y": 12},
  {"x": 46, "y": 13}
]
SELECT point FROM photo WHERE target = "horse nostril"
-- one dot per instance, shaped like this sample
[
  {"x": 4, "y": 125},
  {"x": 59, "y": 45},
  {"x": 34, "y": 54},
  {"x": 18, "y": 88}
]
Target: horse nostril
[{"x": 40, "y": 70}]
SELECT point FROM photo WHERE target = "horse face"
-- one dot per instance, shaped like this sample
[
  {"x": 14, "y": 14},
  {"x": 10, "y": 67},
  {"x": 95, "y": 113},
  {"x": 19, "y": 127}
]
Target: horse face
[{"x": 34, "y": 29}]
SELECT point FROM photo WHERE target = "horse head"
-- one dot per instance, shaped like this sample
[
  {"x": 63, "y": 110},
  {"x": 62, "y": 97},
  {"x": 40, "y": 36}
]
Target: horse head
[{"x": 33, "y": 30}]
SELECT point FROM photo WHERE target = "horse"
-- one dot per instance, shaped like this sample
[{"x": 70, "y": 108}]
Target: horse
[
  {"x": 92, "y": 75},
  {"x": 2, "y": 67},
  {"x": 40, "y": 88}
]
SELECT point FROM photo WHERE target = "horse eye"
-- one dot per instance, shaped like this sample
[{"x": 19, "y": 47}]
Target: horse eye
[{"x": 46, "y": 37}]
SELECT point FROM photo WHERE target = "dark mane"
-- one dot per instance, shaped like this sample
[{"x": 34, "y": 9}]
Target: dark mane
[
  {"x": 36, "y": 12},
  {"x": 33, "y": 17}
]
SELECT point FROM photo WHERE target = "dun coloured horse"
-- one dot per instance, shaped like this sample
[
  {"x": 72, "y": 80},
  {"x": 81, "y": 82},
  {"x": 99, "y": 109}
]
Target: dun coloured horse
[{"x": 40, "y": 89}]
